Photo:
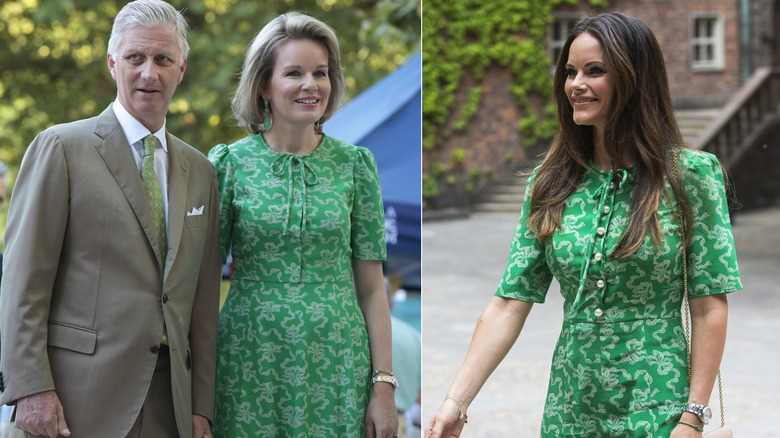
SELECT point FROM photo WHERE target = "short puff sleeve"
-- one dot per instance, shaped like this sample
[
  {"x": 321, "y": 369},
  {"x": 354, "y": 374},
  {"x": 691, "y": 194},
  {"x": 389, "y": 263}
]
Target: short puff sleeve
[
  {"x": 712, "y": 258},
  {"x": 368, "y": 214},
  {"x": 527, "y": 276}
]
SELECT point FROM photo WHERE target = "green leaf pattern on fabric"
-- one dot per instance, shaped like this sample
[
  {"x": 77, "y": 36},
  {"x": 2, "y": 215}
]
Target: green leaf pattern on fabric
[
  {"x": 619, "y": 367},
  {"x": 293, "y": 355}
]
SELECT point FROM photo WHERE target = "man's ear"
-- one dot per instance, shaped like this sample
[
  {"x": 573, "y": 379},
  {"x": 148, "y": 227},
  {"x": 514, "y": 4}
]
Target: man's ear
[
  {"x": 182, "y": 69},
  {"x": 111, "y": 65}
]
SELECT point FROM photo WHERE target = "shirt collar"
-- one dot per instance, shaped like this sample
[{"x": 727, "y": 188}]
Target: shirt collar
[{"x": 134, "y": 130}]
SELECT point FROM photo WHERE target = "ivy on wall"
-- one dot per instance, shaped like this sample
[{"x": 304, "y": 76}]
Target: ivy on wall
[{"x": 463, "y": 38}]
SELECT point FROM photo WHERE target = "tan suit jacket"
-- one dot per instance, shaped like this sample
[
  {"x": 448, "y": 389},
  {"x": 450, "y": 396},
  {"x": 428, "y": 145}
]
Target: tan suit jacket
[{"x": 83, "y": 296}]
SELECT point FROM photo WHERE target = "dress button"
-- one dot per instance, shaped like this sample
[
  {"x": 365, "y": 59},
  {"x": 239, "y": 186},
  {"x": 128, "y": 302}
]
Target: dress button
[
  {"x": 165, "y": 298},
  {"x": 155, "y": 349},
  {"x": 605, "y": 210},
  {"x": 601, "y": 231},
  {"x": 601, "y": 283},
  {"x": 598, "y": 313},
  {"x": 597, "y": 256}
]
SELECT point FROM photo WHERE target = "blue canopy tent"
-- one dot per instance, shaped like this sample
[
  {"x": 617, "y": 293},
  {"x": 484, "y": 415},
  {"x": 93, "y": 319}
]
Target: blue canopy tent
[{"x": 386, "y": 118}]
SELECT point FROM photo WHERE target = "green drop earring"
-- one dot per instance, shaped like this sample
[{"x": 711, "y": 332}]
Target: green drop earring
[{"x": 268, "y": 117}]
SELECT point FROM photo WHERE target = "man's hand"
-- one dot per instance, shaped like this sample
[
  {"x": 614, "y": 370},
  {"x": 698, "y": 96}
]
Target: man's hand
[
  {"x": 41, "y": 414},
  {"x": 200, "y": 427}
]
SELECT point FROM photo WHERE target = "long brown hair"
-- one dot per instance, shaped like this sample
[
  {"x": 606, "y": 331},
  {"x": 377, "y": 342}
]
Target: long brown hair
[{"x": 641, "y": 120}]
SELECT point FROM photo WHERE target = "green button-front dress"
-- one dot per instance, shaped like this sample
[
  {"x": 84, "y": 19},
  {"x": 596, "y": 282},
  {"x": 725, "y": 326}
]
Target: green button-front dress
[
  {"x": 293, "y": 356},
  {"x": 619, "y": 368}
]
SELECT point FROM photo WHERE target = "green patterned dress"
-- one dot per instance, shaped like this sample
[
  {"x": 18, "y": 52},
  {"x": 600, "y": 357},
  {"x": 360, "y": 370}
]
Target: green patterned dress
[
  {"x": 619, "y": 368},
  {"x": 293, "y": 356}
]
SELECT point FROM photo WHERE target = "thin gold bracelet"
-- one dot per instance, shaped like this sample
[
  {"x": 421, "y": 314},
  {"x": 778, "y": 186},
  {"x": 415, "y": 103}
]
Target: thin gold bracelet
[
  {"x": 382, "y": 371},
  {"x": 461, "y": 412}
]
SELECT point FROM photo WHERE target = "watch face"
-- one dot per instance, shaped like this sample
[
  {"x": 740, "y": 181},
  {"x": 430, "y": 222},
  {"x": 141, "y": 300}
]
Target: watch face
[{"x": 706, "y": 414}]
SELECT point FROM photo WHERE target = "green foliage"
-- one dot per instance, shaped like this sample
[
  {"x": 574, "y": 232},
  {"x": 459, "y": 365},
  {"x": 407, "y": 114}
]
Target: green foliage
[
  {"x": 507, "y": 158},
  {"x": 54, "y": 60},
  {"x": 469, "y": 109},
  {"x": 465, "y": 37},
  {"x": 536, "y": 128},
  {"x": 528, "y": 127},
  {"x": 430, "y": 188},
  {"x": 458, "y": 156},
  {"x": 437, "y": 169}
]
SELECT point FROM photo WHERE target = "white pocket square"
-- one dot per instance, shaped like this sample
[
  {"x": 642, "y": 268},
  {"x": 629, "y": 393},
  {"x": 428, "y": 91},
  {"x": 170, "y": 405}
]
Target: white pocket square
[{"x": 196, "y": 211}]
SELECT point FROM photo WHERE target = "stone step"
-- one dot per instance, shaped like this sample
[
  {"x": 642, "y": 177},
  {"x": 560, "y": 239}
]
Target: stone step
[
  {"x": 514, "y": 188},
  {"x": 498, "y": 207},
  {"x": 693, "y": 123},
  {"x": 506, "y": 195}
]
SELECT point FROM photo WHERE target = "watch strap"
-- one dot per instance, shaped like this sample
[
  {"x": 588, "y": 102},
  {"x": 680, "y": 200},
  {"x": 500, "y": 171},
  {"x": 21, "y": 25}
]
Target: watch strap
[{"x": 385, "y": 379}]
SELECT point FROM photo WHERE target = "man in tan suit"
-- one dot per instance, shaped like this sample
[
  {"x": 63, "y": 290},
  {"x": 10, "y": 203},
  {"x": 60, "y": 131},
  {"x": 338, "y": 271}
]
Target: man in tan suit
[{"x": 108, "y": 316}]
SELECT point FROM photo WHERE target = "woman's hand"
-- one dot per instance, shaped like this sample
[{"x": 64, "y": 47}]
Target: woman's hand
[
  {"x": 685, "y": 431},
  {"x": 445, "y": 424},
  {"x": 382, "y": 415}
]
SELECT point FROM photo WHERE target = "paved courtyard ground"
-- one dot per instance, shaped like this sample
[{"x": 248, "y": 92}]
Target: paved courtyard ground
[{"x": 463, "y": 260}]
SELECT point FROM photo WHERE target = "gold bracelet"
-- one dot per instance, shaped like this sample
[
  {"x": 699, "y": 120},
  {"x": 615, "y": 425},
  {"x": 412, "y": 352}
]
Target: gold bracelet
[
  {"x": 382, "y": 371},
  {"x": 461, "y": 412}
]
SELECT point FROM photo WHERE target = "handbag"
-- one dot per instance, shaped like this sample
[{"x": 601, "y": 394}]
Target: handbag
[{"x": 723, "y": 431}]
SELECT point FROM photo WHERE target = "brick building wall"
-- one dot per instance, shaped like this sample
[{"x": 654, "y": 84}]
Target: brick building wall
[
  {"x": 672, "y": 23},
  {"x": 764, "y": 39}
]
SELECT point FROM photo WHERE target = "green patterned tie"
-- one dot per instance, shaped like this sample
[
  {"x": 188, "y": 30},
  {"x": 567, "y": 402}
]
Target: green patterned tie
[{"x": 153, "y": 194}]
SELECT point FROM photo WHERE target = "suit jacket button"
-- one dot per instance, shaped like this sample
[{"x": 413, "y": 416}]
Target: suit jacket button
[
  {"x": 165, "y": 298},
  {"x": 155, "y": 349}
]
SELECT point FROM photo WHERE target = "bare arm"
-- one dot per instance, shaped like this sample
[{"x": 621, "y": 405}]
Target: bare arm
[
  {"x": 709, "y": 317},
  {"x": 496, "y": 331},
  {"x": 381, "y": 415}
]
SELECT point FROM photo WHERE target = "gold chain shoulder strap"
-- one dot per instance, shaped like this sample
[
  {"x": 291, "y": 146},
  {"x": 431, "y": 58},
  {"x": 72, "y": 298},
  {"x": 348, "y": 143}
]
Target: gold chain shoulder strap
[{"x": 686, "y": 311}]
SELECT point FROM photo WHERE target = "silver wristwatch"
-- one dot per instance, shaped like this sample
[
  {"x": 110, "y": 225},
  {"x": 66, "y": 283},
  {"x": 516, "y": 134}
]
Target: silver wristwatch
[{"x": 702, "y": 411}]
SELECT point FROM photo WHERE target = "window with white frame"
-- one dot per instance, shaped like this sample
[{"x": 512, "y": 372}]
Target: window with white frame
[
  {"x": 707, "y": 41},
  {"x": 562, "y": 25}
]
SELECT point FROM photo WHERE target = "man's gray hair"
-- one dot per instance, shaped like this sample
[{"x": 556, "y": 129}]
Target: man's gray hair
[
  {"x": 3, "y": 170},
  {"x": 148, "y": 13}
]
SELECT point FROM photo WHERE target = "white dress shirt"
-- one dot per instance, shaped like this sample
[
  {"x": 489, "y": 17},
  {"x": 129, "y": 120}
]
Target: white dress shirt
[{"x": 135, "y": 133}]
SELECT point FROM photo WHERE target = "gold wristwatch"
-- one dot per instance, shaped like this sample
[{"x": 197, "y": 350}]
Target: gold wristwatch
[{"x": 386, "y": 379}]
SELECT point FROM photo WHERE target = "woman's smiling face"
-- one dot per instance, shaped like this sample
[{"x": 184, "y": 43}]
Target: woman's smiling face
[
  {"x": 299, "y": 88},
  {"x": 589, "y": 85}
]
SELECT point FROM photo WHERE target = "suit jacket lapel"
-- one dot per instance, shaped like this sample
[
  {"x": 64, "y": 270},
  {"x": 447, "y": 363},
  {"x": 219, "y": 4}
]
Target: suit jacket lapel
[
  {"x": 178, "y": 176},
  {"x": 116, "y": 153}
]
